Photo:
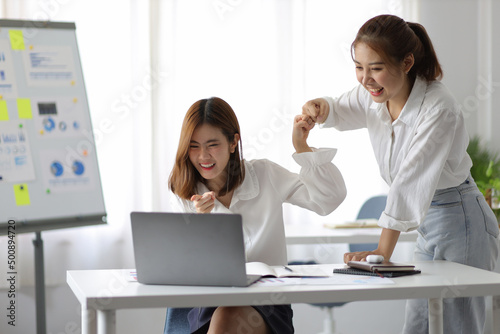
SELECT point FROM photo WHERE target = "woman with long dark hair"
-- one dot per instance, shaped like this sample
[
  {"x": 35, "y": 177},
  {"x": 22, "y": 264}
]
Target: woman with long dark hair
[{"x": 418, "y": 134}]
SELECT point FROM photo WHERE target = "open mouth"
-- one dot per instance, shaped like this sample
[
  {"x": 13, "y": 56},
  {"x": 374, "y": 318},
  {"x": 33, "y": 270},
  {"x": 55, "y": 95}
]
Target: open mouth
[
  {"x": 376, "y": 92},
  {"x": 207, "y": 166}
]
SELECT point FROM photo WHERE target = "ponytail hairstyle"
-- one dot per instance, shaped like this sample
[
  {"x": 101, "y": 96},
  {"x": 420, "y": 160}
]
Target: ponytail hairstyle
[
  {"x": 218, "y": 113},
  {"x": 393, "y": 39}
]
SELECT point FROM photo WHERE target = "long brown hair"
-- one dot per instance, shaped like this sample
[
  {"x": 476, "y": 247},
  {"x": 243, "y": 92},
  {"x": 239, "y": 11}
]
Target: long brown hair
[
  {"x": 218, "y": 113},
  {"x": 393, "y": 39}
]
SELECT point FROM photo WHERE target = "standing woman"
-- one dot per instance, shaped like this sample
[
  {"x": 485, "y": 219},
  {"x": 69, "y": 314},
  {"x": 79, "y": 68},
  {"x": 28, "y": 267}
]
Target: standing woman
[
  {"x": 210, "y": 175},
  {"x": 419, "y": 138}
]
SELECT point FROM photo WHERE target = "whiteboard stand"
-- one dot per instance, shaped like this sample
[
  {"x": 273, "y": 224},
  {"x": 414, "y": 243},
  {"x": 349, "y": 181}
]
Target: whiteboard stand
[{"x": 41, "y": 325}]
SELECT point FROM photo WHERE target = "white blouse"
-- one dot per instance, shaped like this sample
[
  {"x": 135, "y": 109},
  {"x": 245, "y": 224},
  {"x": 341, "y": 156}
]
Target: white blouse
[
  {"x": 421, "y": 151},
  {"x": 319, "y": 187}
]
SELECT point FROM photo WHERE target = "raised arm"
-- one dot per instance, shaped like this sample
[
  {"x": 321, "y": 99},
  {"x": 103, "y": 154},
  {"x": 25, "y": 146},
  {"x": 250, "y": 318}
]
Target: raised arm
[
  {"x": 301, "y": 126},
  {"x": 317, "y": 109}
]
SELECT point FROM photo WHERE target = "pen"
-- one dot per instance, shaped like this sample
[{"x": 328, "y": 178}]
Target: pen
[{"x": 287, "y": 268}]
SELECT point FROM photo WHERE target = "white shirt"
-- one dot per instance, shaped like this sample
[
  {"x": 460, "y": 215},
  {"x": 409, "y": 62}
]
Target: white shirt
[
  {"x": 319, "y": 187},
  {"x": 421, "y": 151}
]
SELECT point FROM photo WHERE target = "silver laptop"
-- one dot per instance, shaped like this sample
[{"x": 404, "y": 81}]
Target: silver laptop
[{"x": 189, "y": 249}]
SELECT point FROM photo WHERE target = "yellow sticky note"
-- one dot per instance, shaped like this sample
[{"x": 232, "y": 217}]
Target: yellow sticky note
[
  {"x": 24, "y": 108},
  {"x": 16, "y": 39},
  {"x": 4, "y": 114},
  {"x": 22, "y": 194}
]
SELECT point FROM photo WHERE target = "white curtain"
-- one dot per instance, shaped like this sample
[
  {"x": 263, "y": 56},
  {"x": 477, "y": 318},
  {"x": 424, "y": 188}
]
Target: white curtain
[
  {"x": 265, "y": 58},
  {"x": 146, "y": 62}
]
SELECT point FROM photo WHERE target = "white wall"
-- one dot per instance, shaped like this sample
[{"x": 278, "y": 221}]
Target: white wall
[
  {"x": 459, "y": 30},
  {"x": 453, "y": 28}
]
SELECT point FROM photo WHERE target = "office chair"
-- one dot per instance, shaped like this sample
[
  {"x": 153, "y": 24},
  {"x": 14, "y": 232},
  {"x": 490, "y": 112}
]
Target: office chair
[{"x": 371, "y": 209}]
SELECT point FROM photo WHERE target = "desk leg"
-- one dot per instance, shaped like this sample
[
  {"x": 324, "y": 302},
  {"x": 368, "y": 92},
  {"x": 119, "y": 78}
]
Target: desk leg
[
  {"x": 435, "y": 316},
  {"x": 106, "y": 322},
  {"x": 496, "y": 314},
  {"x": 89, "y": 323}
]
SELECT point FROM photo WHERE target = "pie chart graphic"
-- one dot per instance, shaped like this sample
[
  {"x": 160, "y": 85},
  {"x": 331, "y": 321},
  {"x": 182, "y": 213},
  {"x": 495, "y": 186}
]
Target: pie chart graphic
[
  {"x": 49, "y": 124},
  {"x": 78, "y": 167},
  {"x": 56, "y": 168}
]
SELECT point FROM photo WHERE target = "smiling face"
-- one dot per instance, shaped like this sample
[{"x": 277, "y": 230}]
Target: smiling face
[
  {"x": 385, "y": 83},
  {"x": 209, "y": 152}
]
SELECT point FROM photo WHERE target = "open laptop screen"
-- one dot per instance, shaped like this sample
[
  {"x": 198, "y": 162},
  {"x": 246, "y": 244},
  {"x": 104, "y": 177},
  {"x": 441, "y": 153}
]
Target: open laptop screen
[{"x": 189, "y": 248}]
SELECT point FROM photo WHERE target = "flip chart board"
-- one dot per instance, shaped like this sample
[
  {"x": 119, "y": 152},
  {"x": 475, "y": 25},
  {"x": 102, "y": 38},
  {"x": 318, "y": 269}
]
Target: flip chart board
[{"x": 49, "y": 175}]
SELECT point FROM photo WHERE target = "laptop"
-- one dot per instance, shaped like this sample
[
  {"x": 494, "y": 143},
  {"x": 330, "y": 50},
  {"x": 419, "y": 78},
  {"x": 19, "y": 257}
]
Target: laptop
[{"x": 189, "y": 249}]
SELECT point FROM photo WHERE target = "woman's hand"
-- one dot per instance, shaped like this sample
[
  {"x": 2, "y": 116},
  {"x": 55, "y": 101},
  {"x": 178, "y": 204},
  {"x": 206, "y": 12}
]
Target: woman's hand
[
  {"x": 317, "y": 109},
  {"x": 301, "y": 126},
  {"x": 204, "y": 203},
  {"x": 360, "y": 256},
  {"x": 386, "y": 244}
]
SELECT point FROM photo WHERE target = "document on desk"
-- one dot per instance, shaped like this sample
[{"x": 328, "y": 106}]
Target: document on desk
[
  {"x": 264, "y": 270},
  {"x": 130, "y": 275},
  {"x": 331, "y": 280},
  {"x": 279, "y": 281},
  {"x": 347, "y": 280}
]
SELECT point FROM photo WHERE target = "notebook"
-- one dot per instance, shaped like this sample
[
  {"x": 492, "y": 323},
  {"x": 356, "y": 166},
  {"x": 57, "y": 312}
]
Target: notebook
[
  {"x": 354, "y": 271},
  {"x": 384, "y": 269},
  {"x": 189, "y": 249},
  {"x": 380, "y": 267}
]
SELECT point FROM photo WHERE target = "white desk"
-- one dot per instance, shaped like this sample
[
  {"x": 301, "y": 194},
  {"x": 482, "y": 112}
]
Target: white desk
[
  {"x": 102, "y": 292},
  {"x": 314, "y": 234}
]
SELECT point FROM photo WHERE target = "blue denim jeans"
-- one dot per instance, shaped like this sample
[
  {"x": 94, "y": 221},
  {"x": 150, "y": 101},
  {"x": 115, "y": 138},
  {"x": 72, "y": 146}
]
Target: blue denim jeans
[{"x": 459, "y": 227}]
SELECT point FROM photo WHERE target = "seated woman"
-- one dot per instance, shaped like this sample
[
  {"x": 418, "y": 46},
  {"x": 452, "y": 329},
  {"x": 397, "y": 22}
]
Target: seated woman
[{"x": 210, "y": 175}]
